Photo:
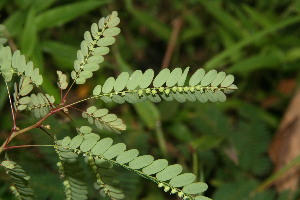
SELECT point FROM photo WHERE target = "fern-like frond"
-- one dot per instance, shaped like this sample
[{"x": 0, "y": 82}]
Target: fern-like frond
[
  {"x": 39, "y": 104},
  {"x": 102, "y": 119},
  {"x": 72, "y": 174},
  {"x": 106, "y": 181},
  {"x": 169, "y": 177},
  {"x": 62, "y": 80},
  {"x": 94, "y": 47},
  {"x": 20, "y": 185},
  {"x": 15, "y": 63},
  {"x": 167, "y": 85}
]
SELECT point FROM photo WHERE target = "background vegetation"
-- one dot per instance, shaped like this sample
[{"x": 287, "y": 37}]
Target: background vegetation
[{"x": 225, "y": 144}]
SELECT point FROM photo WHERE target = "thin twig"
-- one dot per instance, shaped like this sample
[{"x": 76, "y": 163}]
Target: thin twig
[
  {"x": 30, "y": 145},
  {"x": 11, "y": 107},
  {"x": 177, "y": 24},
  {"x": 43, "y": 129}
]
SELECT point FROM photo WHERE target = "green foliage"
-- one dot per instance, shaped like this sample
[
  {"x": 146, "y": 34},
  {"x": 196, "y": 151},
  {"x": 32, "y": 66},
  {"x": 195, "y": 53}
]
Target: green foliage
[
  {"x": 72, "y": 174},
  {"x": 20, "y": 181},
  {"x": 168, "y": 85},
  {"x": 103, "y": 119},
  {"x": 158, "y": 171},
  {"x": 94, "y": 47},
  {"x": 101, "y": 154}
]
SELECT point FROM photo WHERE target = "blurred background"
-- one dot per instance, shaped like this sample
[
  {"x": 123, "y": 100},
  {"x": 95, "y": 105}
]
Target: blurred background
[{"x": 246, "y": 148}]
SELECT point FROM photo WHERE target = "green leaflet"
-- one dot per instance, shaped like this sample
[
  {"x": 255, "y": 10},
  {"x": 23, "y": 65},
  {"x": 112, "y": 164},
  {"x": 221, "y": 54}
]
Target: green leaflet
[
  {"x": 104, "y": 154},
  {"x": 121, "y": 82},
  {"x": 169, "y": 172},
  {"x": 195, "y": 188},
  {"x": 134, "y": 80},
  {"x": 102, "y": 146},
  {"x": 141, "y": 161},
  {"x": 174, "y": 77},
  {"x": 147, "y": 78},
  {"x": 155, "y": 167},
  {"x": 108, "y": 85},
  {"x": 114, "y": 151},
  {"x": 161, "y": 78},
  {"x": 197, "y": 77},
  {"x": 127, "y": 156},
  {"x": 183, "y": 180}
]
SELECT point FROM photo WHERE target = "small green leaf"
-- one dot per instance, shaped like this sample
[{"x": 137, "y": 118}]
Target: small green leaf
[
  {"x": 219, "y": 79},
  {"x": 197, "y": 77},
  {"x": 91, "y": 110},
  {"x": 85, "y": 129},
  {"x": 195, "y": 188},
  {"x": 141, "y": 161},
  {"x": 26, "y": 90},
  {"x": 155, "y": 167},
  {"x": 66, "y": 141},
  {"x": 161, "y": 78},
  {"x": 169, "y": 172},
  {"x": 97, "y": 90},
  {"x": 111, "y": 32},
  {"x": 100, "y": 112},
  {"x": 76, "y": 141},
  {"x": 89, "y": 143},
  {"x": 209, "y": 77},
  {"x": 174, "y": 77},
  {"x": 227, "y": 81},
  {"x": 221, "y": 96},
  {"x": 24, "y": 100},
  {"x": 134, "y": 80},
  {"x": 182, "y": 180},
  {"x": 106, "y": 41},
  {"x": 8, "y": 164},
  {"x": 108, "y": 85},
  {"x": 109, "y": 118},
  {"x": 100, "y": 51},
  {"x": 127, "y": 156},
  {"x": 102, "y": 146},
  {"x": 182, "y": 79},
  {"x": 114, "y": 22},
  {"x": 80, "y": 80},
  {"x": 121, "y": 81},
  {"x": 114, "y": 151},
  {"x": 146, "y": 78},
  {"x": 202, "y": 198}
]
